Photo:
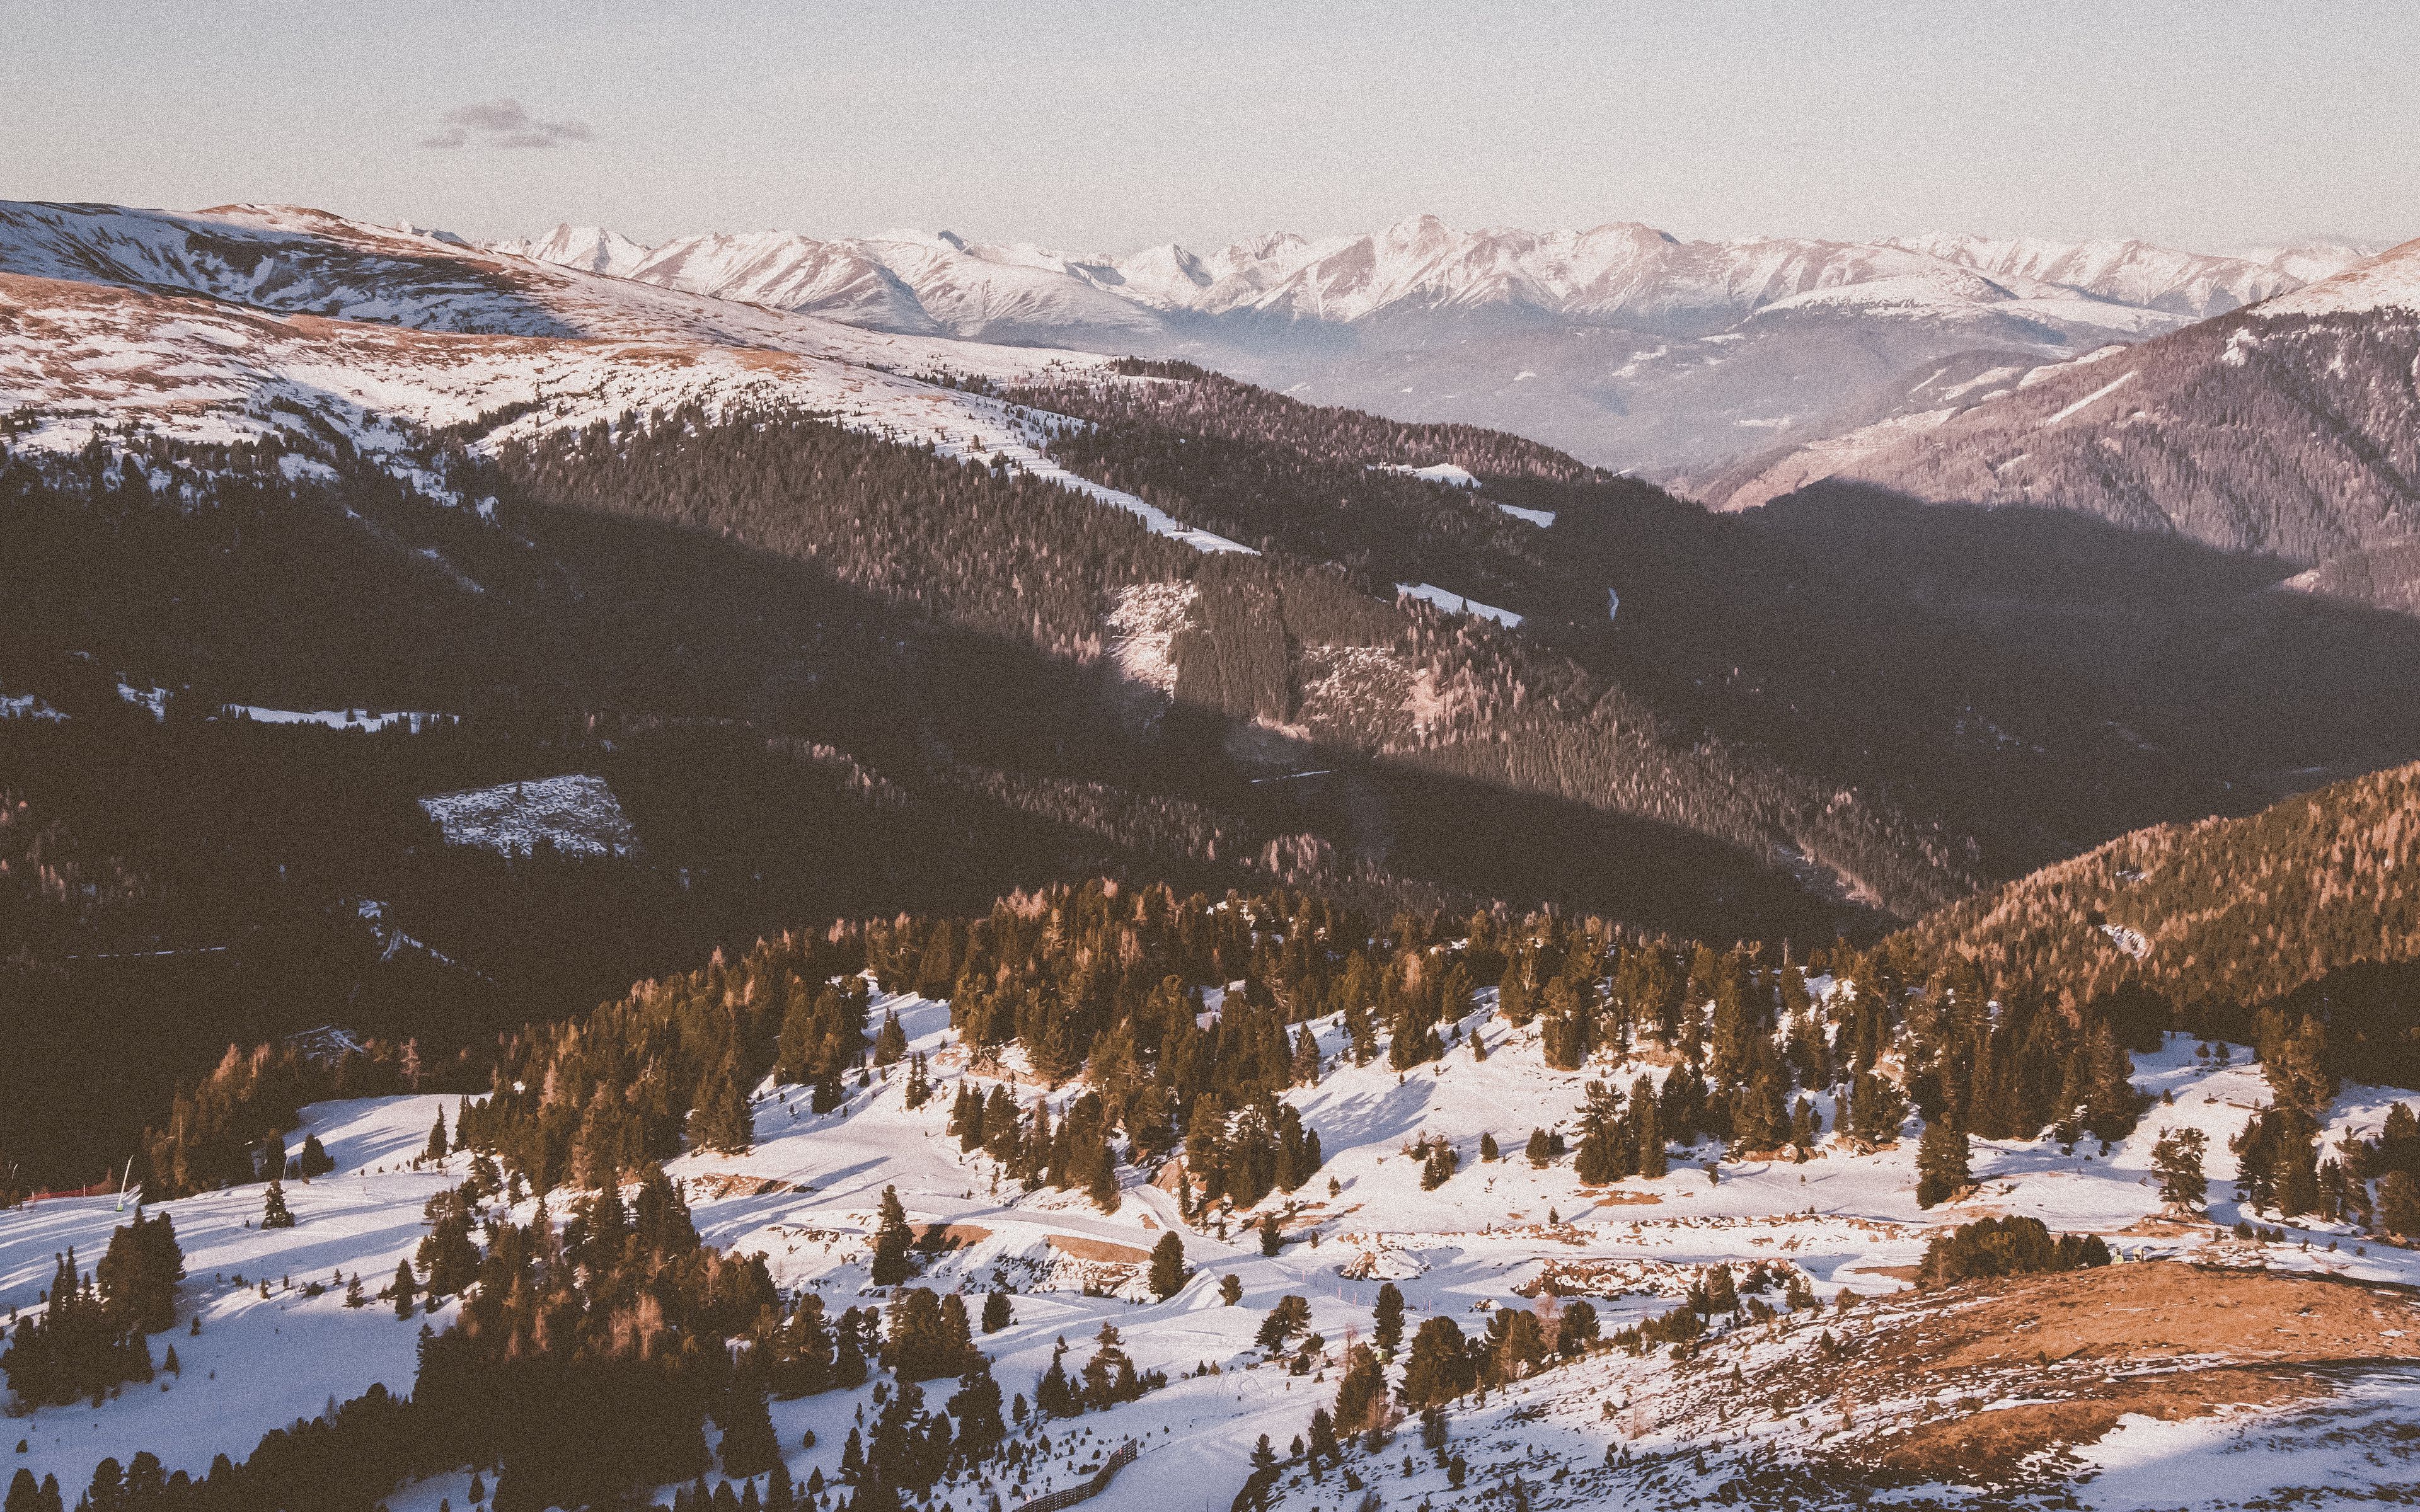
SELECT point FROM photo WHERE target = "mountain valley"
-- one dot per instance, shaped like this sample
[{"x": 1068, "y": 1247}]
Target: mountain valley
[{"x": 896, "y": 874}]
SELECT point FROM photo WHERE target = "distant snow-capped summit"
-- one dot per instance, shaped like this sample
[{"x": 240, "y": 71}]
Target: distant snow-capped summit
[
  {"x": 2207, "y": 433},
  {"x": 2137, "y": 272},
  {"x": 2389, "y": 281},
  {"x": 589, "y": 248}
]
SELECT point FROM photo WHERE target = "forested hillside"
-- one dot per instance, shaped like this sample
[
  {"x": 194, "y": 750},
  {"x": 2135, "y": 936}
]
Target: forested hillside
[
  {"x": 1286, "y": 641},
  {"x": 806, "y": 661},
  {"x": 1224, "y": 1064},
  {"x": 2304, "y": 915},
  {"x": 2034, "y": 682}
]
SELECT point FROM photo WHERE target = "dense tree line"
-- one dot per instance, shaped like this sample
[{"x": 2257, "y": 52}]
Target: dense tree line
[
  {"x": 2297, "y": 925},
  {"x": 1507, "y": 708},
  {"x": 1991, "y": 1247},
  {"x": 611, "y": 1352},
  {"x": 1100, "y": 981},
  {"x": 1194, "y": 400},
  {"x": 1206, "y": 452},
  {"x": 982, "y": 548},
  {"x": 92, "y": 1332}
]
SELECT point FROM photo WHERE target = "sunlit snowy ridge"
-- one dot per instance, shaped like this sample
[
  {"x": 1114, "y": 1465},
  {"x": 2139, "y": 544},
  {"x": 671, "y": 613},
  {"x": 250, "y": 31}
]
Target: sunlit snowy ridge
[{"x": 381, "y": 339}]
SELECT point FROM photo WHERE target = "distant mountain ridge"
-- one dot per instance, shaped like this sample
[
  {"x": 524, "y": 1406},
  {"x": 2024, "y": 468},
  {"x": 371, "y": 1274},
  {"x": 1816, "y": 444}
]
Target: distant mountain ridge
[
  {"x": 1622, "y": 343},
  {"x": 1621, "y": 273},
  {"x": 2282, "y": 428}
]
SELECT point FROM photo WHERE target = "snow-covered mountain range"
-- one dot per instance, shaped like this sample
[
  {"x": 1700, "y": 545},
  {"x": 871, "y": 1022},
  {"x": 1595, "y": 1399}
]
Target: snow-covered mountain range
[
  {"x": 1621, "y": 273},
  {"x": 1623, "y": 344}
]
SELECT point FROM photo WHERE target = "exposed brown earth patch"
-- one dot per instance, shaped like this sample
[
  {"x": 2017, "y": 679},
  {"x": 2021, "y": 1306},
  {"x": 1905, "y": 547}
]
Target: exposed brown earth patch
[
  {"x": 2077, "y": 1351},
  {"x": 1993, "y": 1445},
  {"x": 724, "y": 1185},
  {"x": 1099, "y": 1249},
  {"x": 1619, "y": 1196},
  {"x": 953, "y": 1236}
]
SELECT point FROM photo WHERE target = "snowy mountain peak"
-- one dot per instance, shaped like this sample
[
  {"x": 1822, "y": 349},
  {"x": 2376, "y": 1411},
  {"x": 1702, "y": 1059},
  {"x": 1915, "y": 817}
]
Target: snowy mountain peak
[
  {"x": 2389, "y": 281},
  {"x": 591, "y": 248},
  {"x": 2138, "y": 273}
]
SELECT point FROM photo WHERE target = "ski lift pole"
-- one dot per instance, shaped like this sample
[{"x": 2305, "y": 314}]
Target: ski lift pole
[{"x": 122, "y": 1179}]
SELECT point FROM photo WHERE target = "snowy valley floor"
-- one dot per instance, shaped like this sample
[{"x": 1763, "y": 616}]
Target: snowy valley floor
[{"x": 2232, "y": 1373}]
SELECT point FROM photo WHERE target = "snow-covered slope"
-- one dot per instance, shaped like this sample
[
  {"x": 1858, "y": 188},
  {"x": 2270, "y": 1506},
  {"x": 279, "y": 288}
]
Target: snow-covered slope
[
  {"x": 297, "y": 261},
  {"x": 243, "y": 322},
  {"x": 2388, "y": 281},
  {"x": 1623, "y": 1429},
  {"x": 788, "y": 273}
]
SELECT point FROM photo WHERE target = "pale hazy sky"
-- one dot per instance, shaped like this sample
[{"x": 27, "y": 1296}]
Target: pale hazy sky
[{"x": 2214, "y": 125}]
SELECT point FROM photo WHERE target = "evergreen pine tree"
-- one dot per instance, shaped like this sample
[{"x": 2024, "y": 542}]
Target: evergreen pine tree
[
  {"x": 2398, "y": 1204},
  {"x": 1653, "y": 1160},
  {"x": 1941, "y": 1164},
  {"x": 747, "y": 1445},
  {"x": 1052, "y": 1394},
  {"x": 892, "y": 1042},
  {"x": 976, "y": 1406},
  {"x": 891, "y": 1240},
  {"x": 1386, "y": 1318},
  {"x": 1440, "y": 1368},
  {"x": 1166, "y": 1266},
  {"x": 1305, "y": 1068},
  {"x": 1101, "y": 1181},
  {"x": 1601, "y": 1157},
  {"x": 724, "y": 1121},
  {"x": 273, "y": 1212},
  {"x": 2176, "y": 1160},
  {"x": 405, "y": 1285}
]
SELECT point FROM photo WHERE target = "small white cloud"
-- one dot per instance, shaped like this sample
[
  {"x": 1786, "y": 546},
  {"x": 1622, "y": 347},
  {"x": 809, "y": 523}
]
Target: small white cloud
[{"x": 503, "y": 123}]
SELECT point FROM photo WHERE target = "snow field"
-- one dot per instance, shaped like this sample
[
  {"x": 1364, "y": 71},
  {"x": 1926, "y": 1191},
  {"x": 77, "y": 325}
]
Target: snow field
[
  {"x": 1453, "y": 603},
  {"x": 576, "y": 814},
  {"x": 806, "y": 1198}
]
